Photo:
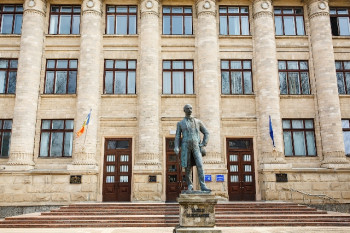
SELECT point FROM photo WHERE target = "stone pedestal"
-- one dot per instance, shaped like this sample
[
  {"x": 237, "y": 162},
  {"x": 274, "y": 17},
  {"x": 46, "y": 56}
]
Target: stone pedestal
[{"x": 197, "y": 213}]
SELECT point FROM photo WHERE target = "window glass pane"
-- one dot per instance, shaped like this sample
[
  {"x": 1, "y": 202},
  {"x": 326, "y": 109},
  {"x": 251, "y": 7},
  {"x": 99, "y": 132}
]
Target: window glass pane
[
  {"x": 18, "y": 24},
  {"x": 69, "y": 124},
  {"x": 131, "y": 82},
  {"x": 12, "y": 83},
  {"x": 166, "y": 64},
  {"x": 122, "y": 24},
  {"x": 3, "y": 63},
  {"x": 76, "y": 9},
  {"x": 344, "y": 26},
  {"x": 233, "y": 10},
  {"x": 121, "y": 64},
  {"x": 166, "y": 9},
  {"x": 299, "y": 143},
  {"x": 247, "y": 65},
  {"x": 57, "y": 124},
  {"x": 178, "y": 65},
  {"x": 6, "y": 24},
  {"x": 236, "y": 65},
  {"x": 223, "y": 10},
  {"x": 288, "y": 149},
  {"x": 236, "y": 82},
  {"x": 244, "y": 9},
  {"x": 189, "y": 83},
  {"x": 5, "y": 144},
  {"x": 234, "y": 27},
  {"x": 2, "y": 82},
  {"x": 340, "y": 82},
  {"x": 245, "y": 25},
  {"x": 76, "y": 24},
  {"x": 303, "y": 65},
  {"x": 46, "y": 124},
  {"x": 56, "y": 144},
  {"x": 310, "y": 139},
  {"x": 50, "y": 64},
  {"x": 120, "y": 82},
  {"x": 300, "y": 25},
  {"x": 166, "y": 83},
  {"x": 297, "y": 124},
  {"x": 177, "y": 10},
  {"x": 189, "y": 64},
  {"x": 248, "y": 87},
  {"x": 166, "y": 25},
  {"x": 288, "y": 11},
  {"x": 122, "y": 9},
  {"x": 188, "y": 25},
  {"x": 347, "y": 142},
  {"x": 177, "y": 25},
  {"x": 44, "y": 144},
  {"x": 345, "y": 124},
  {"x": 49, "y": 82},
  {"x": 9, "y": 8},
  {"x": 225, "y": 83},
  {"x": 72, "y": 82},
  {"x": 55, "y": 9},
  {"x": 286, "y": 124},
  {"x": 188, "y": 9},
  {"x": 293, "y": 65},
  {"x": 132, "y": 24},
  {"x": 65, "y": 21},
  {"x": 277, "y": 11},
  {"x": 305, "y": 83},
  {"x": 178, "y": 83},
  {"x": 347, "y": 79},
  {"x": 110, "y": 24},
  {"x": 132, "y": 9},
  {"x": 289, "y": 25},
  {"x": 223, "y": 25},
  {"x": 282, "y": 65},
  {"x": 132, "y": 64},
  {"x": 278, "y": 25},
  {"x": 66, "y": 9},
  {"x": 109, "y": 82},
  {"x": 343, "y": 11},
  {"x": 346, "y": 65},
  {"x": 283, "y": 83},
  {"x": 8, "y": 124},
  {"x": 68, "y": 144},
  {"x": 109, "y": 64},
  {"x": 62, "y": 64},
  {"x": 338, "y": 66},
  {"x": 224, "y": 65},
  {"x": 294, "y": 84},
  {"x": 309, "y": 124},
  {"x": 61, "y": 82},
  {"x": 73, "y": 64}
]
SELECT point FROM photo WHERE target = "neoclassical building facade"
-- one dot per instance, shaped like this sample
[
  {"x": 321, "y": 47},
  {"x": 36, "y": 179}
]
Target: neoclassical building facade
[{"x": 249, "y": 68}]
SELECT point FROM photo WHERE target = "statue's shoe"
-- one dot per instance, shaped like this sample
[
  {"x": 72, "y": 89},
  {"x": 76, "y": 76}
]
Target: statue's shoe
[
  {"x": 190, "y": 188},
  {"x": 205, "y": 189}
]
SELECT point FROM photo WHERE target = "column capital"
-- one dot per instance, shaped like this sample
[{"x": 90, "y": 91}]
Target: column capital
[
  {"x": 317, "y": 8},
  {"x": 92, "y": 7},
  {"x": 262, "y": 8},
  {"x": 149, "y": 7},
  {"x": 35, "y": 7},
  {"x": 206, "y": 7}
]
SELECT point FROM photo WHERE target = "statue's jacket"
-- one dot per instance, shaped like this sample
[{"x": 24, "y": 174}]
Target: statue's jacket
[{"x": 187, "y": 137}]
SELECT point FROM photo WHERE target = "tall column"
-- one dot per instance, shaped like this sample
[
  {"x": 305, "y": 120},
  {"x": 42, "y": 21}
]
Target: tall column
[
  {"x": 208, "y": 77},
  {"x": 326, "y": 85},
  {"x": 27, "y": 87},
  {"x": 148, "y": 91},
  {"x": 267, "y": 88},
  {"x": 88, "y": 86}
]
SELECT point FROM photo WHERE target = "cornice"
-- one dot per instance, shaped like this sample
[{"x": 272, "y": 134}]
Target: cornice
[
  {"x": 34, "y": 12},
  {"x": 92, "y": 12},
  {"x": 318, "y": 14},
  {"x": 263, "y": 14}
]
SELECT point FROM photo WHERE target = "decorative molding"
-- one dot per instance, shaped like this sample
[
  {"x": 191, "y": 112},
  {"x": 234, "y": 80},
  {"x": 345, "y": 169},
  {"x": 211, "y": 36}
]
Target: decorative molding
[
  {"x": 20, "y": 158},
  {"x": 34, "y": 12},
  {"x": 334, "y": 157},
  {"x": 92, "y": 12},
  {"x": 263, "y": 14},
  {"x": 146, "y": 14},
  {"x": 318, "y": 14},
  {"x": 209, "y": 13}
]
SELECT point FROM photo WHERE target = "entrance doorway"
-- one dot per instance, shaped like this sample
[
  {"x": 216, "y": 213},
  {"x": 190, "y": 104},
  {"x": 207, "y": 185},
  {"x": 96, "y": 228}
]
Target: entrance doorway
[
  {"x": 117, "y": 170},
  {"x": 240, "y": 165},
  {"x": 175, "y": 178}
]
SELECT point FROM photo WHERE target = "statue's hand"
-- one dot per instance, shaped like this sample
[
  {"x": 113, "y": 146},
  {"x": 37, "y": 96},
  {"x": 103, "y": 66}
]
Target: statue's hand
[{"x": 176, "y": 150}]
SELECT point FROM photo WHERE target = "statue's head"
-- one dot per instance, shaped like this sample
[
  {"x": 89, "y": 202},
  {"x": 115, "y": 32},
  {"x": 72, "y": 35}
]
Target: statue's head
[{"x": 188, "y": 109}]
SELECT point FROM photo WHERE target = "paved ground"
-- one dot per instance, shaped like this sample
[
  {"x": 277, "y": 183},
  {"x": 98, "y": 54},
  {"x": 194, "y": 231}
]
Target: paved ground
[{"x": 170, "y": 230}]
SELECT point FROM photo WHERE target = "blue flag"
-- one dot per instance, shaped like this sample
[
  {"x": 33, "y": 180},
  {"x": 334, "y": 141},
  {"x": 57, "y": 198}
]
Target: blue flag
[{"x": 271, "y": 132}]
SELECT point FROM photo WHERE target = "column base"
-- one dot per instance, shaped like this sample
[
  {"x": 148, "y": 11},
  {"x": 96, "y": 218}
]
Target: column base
[
  {"x": 79, "y": 167},
  {"x": 274, "y": 160},
  {"x": 335, "y": 160},
  {"x": 196, "y": 230}
]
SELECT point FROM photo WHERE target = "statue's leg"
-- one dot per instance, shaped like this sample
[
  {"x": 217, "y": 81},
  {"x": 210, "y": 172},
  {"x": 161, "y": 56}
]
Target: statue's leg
[
  {"x": 188, "y": 177},
  {"x": 200, "y": 170}
]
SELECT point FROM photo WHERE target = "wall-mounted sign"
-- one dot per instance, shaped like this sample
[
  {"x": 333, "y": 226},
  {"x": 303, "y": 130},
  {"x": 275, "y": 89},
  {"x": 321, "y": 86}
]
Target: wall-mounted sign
[
  {"x": 75, "y": 179},
  {"x": 220, "y": 178},
  {"x": 208, "y": 178},
  {"x": 152, "y": 179},
  {"x": 281, "y": 177}
]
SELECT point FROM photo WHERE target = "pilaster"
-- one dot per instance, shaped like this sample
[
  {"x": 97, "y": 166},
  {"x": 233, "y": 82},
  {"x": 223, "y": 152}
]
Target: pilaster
[
  {"x": 27, "y": 87},
  {"x": 267, "y": 86},
  {"x": 326, "y": 85},
  {"x": 88, "y": 85}
]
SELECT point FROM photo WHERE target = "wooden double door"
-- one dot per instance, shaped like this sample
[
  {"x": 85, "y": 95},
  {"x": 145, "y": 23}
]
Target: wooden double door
[
  {"x": 117, "y": 170},
  {"x": 241, "y": 173}
]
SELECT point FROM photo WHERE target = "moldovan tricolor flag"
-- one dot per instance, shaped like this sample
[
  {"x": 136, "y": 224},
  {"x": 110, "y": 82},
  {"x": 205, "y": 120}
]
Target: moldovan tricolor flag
[
  {"x": 271, "y": 132},
  {"x": 86, "y": 122}
]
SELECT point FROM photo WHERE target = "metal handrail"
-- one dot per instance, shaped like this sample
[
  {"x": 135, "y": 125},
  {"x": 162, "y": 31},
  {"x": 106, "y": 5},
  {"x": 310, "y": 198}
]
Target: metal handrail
[{"x": 324, "y": 197}]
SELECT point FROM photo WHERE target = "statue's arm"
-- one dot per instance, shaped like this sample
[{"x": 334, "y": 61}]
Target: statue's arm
[
  {"x": 205, "y": 133},
  {"x": 177, "y": 138}
]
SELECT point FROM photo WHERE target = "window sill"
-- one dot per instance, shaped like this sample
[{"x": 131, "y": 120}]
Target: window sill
[
  {"x": 292, "y": 37},
  {"x": 55, "y": 157},
  {"x": 297, "y": 96},
  {"x": 344, "y": 96},
  {"x": 63, "y": 35},
  {"x": 8, "y": 96},
  {"x": 238, "y": 96},
  {"x": 119, "y": 96},
  {"x": 10, "y": 35},
  {"x": 300, "y": 156},
  {"x": 341, "y": 37},
  {"x": 58, "y": 95},
  {"x": 235, "y": 36},
  {"x": 116, "y": 35},
  {"x": 178, "y": 36},
  {"x": 178, "y": 96}
]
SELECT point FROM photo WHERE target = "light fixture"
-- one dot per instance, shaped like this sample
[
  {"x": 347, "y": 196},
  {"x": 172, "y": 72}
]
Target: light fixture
[{"x": 31, "y": 3}]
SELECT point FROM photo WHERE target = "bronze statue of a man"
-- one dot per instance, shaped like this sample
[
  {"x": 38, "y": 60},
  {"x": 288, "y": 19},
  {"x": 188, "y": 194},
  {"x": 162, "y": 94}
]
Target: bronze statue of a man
[{"x": 191, "y": 146}]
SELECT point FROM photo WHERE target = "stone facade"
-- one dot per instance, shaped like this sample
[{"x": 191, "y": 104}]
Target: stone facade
[{"x": 149, "y": 117}]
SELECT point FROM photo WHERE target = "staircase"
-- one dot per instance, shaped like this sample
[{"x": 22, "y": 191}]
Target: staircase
[{"x": 167, "y": 215}]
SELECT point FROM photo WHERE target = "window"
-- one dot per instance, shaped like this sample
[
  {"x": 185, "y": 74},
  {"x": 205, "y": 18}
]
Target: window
[
  {"x": 299, "y": 137},
  {"x": 56, "y": 138},
  {"x": 61, "y": 76},
  {"x": 294, "y": 77},
  {"x": 120, "y": 77},
  {"x": 289, "y": 21},
  {"x": 177, "y": 20},
  {"x": 8, "y": 74},
  {"x": 64, "y": 19},
  {"x": 346, "y": 134},
  {"x": 234, "y": 20},
  {"x": 11, "y": 19},
  {"x": 121, "y": 20},
  {"x": 178, "y": 77},
  {"x": 5, "y": 137},
  {"x": 236, "y": 77},
  {"x": 340, "y": 24},
  {"x": 343, "y": 76}
]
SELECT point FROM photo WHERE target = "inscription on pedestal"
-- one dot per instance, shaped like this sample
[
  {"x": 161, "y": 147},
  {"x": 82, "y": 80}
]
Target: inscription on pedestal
[{"x": 197, "y": 213}]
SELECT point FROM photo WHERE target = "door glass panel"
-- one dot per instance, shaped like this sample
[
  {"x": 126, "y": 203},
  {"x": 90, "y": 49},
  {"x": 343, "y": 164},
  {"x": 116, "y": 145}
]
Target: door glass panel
[
  {"x": 172, "y": 168},
  {"x": 239, "y": 144},
  {"x": 110, "y": 158},
  {"x": 172, "y": 158},
  {"x": 124, "y": 179},
  {"x": 247, "y": 168},
  {"x": 171, "y": 145},
  {"x": 118, "y": 144},
  {"x": 110, "y": 168},
  {"x": 172, "y": 178},
  {"x": 124, "y": 158},
  {"x": 248, "y": 178},
  {"x": 110, "y": 179},
  {"x": 247, "y": 158},
  {"x": 124, "y": 168},
  {"x": 233, "y": 158},
  {"x": 234, "y": 178},
  {"x": 233, "y": 168}
]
